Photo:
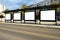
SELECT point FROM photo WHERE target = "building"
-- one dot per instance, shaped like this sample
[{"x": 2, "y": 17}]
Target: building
[{"x": 2, "y": 8}]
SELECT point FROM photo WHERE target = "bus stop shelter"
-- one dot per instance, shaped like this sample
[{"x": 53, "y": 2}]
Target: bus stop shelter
[{"x": 46, "y": 14}]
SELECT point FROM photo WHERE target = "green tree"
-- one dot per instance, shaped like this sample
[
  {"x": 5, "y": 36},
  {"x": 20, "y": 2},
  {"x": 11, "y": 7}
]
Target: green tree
[
  {"x": 6, "y": 9},
  {"x": 58, "y": 9},
  {"x": 24, "y": 6},
  {"x": 1, "y": 16},
  {"x": 56, "y": 3}
]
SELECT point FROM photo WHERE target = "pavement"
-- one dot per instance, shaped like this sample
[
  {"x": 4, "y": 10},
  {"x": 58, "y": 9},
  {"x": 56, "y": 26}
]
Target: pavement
[
  {"x": 35, "y": 25},
  {"x": 10, "y": 31}
]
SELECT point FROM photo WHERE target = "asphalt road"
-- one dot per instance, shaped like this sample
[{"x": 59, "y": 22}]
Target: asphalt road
[{"x": 20, "y": 32}]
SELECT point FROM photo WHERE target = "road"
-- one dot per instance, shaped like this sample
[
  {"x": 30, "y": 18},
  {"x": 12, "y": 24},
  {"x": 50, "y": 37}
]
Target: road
[{"x": 20, "y": 32}]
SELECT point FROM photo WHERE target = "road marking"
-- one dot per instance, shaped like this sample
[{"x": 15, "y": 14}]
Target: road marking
[{"x": 31, "y": 33}]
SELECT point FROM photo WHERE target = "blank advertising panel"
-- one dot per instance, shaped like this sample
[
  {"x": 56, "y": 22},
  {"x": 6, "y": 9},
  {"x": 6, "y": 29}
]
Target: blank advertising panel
[
  {"x": 8, "y": 16},
  {"x": 17, "y": 16},
  {"x": 48, "y": 15},
  {"x": 29, "y": 15}
]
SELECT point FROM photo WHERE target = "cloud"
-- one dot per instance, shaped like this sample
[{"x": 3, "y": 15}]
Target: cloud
[{"x": 14, "y": 4}]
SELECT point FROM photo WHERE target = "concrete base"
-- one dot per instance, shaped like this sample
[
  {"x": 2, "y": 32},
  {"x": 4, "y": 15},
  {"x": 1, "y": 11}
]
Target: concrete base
[
  {"x": 38, "y": 21},
  {"x": 30, "y": 22},
  {"x": 58, "y": 22},
  {"x": 2, "y": 19},
  {"x": 22, "y": 21},
  {"x": 17, "y": 21},
  {"x": 48, "y": 22}
]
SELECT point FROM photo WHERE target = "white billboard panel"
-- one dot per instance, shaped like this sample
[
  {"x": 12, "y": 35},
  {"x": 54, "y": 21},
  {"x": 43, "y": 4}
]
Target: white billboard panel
[
  {"x": 8, "y": 16},
  {"x": 48, "y": 15},
  {"x": 17, "y": 16},
  {"x": 29, "y": 15}
]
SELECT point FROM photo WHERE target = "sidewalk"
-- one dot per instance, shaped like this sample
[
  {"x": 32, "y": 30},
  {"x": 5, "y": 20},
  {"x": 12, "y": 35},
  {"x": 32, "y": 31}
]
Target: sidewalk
[{"x": 35, "y": 25}]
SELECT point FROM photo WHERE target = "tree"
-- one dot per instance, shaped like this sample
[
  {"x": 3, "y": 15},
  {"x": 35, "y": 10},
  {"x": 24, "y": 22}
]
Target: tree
[
  {"x": 58, "y": 9},
  {"x": 1, "y": 16},
  {"x": 55, "y": 3},
  {"x": 24, "y": 6},
  {"x": 6, "y": 9}
]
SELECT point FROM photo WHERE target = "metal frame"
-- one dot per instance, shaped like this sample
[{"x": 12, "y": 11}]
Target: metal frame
[
  {"x": 6, "y": 19},
  {"x": 48, "y": 20},
  {"x": 17, "y": 20},
  {"x": 30, "y": 20},
  {"x": 50, "y": 7},
  {"x": 58, "y": 15}
]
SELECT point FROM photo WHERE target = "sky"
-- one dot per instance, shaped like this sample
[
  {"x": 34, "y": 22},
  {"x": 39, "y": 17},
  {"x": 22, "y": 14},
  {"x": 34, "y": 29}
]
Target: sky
[{"x": 15, "y": 4}]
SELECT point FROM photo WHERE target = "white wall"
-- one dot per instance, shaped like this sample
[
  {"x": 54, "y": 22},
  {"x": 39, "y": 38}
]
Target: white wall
[
  {"x": 48, "y": 15},
  {"x": 29, "y": 15},
  {"x": 17, "y": 16},
  {"x": 2, "y": 8},
  {"x": 8, "y": 16}
]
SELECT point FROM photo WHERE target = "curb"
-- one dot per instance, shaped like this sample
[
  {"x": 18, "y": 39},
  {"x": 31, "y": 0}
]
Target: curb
[{"x": 36, "y": 25}]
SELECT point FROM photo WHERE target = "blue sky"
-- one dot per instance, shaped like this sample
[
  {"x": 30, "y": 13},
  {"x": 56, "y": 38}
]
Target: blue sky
[{"x": 14, "y": 4}]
